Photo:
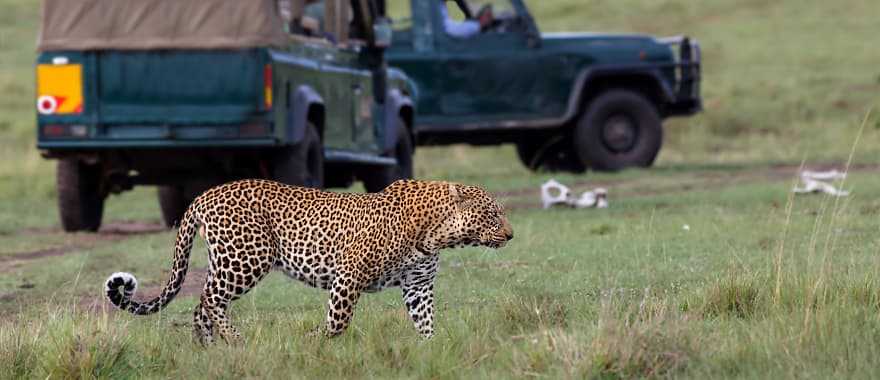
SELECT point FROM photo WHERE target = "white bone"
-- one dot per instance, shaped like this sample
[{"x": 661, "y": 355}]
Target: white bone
[
  {"x": 587, "y": 199},
  {"x": 601, "y": 197},
  {"x": 553, "y": 192},
  {"x": 812, "y": 183},
  {"x": 822, "y": 176}
]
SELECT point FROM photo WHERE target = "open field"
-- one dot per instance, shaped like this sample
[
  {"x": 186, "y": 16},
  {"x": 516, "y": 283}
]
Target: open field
[{"x": 761, "y": 285}]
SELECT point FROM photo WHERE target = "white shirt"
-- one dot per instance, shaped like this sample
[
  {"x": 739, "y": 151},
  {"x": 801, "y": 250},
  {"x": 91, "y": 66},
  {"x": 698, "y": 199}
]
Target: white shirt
[{"x": 458, "y": 29}]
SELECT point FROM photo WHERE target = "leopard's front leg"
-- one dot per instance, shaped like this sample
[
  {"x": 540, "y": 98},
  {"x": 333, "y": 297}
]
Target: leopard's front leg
[
  {"x": 418, "y": 295},
  {"x": 340, "y": 308}
]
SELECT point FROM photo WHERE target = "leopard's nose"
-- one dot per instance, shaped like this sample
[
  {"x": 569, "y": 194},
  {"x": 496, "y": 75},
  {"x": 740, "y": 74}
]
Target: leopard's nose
[{"x": 507, "y": 229}]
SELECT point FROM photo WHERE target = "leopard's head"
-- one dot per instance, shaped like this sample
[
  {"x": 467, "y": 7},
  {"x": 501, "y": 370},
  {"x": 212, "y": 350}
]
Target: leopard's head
[
  {"x": 446, "y": 215},
  {"x": 476, "y": 219}
]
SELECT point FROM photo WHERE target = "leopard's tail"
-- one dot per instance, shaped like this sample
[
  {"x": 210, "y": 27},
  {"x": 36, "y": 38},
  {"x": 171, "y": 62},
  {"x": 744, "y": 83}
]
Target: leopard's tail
[{"x": 121, "y": 298}]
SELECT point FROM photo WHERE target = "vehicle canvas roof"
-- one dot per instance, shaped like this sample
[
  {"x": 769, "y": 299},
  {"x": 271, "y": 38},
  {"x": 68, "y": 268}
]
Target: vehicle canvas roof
[{"x": 159, "y": 24}]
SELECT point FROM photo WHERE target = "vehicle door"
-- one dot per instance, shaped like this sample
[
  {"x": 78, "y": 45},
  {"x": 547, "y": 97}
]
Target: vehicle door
[
  {"x": 343, "y": 23},
  {"x": 318, "y": 60},
  {"x": 498, "y": 75}
]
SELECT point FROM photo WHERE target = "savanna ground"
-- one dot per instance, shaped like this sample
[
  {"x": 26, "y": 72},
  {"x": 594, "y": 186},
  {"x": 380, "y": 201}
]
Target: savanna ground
[{"x": 762, "y": 284}]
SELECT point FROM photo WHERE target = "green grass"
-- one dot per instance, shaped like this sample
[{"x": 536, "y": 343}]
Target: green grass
[
  {"x": 617, "y": 292},
  {"x": 761, "y": 286}
]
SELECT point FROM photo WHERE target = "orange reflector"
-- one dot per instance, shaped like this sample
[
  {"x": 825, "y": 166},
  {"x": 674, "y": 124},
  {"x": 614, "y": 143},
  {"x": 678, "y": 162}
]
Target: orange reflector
[{"x": 59, "y": 89}]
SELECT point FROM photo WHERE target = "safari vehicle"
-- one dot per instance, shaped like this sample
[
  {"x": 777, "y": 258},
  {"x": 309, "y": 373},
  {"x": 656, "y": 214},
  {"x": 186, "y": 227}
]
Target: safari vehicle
[
  {"x": 187, "y": 94},
  {"x": 568, "y": 101}
]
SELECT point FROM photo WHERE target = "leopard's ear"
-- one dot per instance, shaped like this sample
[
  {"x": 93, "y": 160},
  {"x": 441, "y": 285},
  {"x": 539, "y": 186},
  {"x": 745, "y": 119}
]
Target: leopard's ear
[
  {"x": 462, "y": 199},
  {"x": 453, "y": 192}
]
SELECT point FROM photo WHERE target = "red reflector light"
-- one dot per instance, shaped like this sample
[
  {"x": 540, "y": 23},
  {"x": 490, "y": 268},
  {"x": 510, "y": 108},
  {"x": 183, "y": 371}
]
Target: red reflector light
[
  {"x": 63, "y": 130},
  {"x": 53, "y": 130},
  {"x": 253, "y": 130},
  {"x": 267, "y": 85}
]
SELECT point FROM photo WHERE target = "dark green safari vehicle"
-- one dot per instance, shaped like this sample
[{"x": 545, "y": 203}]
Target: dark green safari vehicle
[
  {"x": 568, "y": 101},
  {"x": 191, "y": 93}
]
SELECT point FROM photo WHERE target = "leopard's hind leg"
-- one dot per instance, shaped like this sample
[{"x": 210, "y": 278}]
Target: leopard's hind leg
[
  {"x": 235, "y": 270},
  {"x": 203, "y": 325}
]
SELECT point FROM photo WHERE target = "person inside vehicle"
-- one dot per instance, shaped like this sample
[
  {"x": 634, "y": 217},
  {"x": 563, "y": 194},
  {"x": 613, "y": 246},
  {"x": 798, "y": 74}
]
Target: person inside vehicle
[
  {"x": 304, "y": 17},
  {"x": 466, "y": 28},
  {"x": 313, "y": 15},
  {"x": 313, "y": 22}
]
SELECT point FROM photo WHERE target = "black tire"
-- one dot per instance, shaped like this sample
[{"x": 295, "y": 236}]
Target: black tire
[
  {"x": 558, "y": 156},
  {"x": 80, "y": 199},
  {"x": 376, "y": 178},
  {"x": 173, "y": 203},
  {"x": 303, "y": 163},
  {"x": 619, "y": 129},
  {"x": 528, "y": 151}
]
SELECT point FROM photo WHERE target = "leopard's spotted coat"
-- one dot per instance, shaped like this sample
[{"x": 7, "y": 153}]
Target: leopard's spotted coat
[{"x": 345, "y": 243}]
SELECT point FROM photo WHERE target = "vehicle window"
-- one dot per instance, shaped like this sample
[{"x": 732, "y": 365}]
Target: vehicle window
[
  {"x": 303, "y": 17},
  {"x": 333, "y": 20},
  {"x": 500, "y": 8},
  {"x": 401, "y": 24},
  {"x": 455, "y": 12},
  {"x": 400, "y": 12},
  {"x": 486, "y": 16}
]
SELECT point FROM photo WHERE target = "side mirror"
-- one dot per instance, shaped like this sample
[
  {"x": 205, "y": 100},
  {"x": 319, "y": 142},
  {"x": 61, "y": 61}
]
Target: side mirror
[{"x": 382, "y": 33}]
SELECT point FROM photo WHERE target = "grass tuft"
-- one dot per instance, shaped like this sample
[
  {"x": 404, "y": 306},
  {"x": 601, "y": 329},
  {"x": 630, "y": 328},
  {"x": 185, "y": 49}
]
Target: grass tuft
[
  {"x": 65, "y": 345},
  {"x": 735, "y": 296},
  {"x": 638, "y": 345},
  {"x": 19, "y": 352},
  {"x": 533, "y": 312}
]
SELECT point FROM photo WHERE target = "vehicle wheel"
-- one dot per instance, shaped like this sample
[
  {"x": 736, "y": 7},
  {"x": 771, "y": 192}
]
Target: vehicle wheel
[
  {"x": 550, "y": 156},
  {"x": 376, "y": 178},
  {"x": 528, "y": 153},
  {"x": 619, "y": 129},
  {"x": 303, "y": 163},
  {"x": 80, "y": 200},
  {"x": 173, "y": 203}
]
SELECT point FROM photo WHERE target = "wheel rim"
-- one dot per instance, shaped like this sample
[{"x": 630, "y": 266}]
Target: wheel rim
[{"x": 619, "y": 133}]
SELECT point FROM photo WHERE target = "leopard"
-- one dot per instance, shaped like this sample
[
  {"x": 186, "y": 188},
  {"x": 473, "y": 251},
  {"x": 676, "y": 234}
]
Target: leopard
[{"x": 346, "y": 243}]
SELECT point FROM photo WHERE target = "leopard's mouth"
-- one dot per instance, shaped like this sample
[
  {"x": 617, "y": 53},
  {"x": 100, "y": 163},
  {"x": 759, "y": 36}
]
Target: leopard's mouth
[
  {"x": 496, "y": 244},
  {"x": 494, "y": 241},
  {"x": 497, "y": 241}
]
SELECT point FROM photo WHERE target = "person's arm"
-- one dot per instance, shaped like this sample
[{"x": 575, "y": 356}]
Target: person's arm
[{"x": 458, "y": 29}]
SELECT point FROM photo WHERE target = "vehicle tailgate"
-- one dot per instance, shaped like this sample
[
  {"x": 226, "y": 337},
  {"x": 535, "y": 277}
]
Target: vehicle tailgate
[{"x": 179, "y": 87}]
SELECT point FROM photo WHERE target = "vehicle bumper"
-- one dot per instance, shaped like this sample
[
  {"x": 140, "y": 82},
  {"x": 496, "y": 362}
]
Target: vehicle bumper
[
  {"x": 79, "y": 136},
  {"x": 98, "y": 144},
  {"x": 687, "y": 74}
]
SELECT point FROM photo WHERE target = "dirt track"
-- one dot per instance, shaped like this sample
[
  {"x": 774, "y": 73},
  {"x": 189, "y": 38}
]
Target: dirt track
[
  {"x": 705, "y": 180},
  {"x": 112, "y": 232},
  {"x": 621, "y": 189}
]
